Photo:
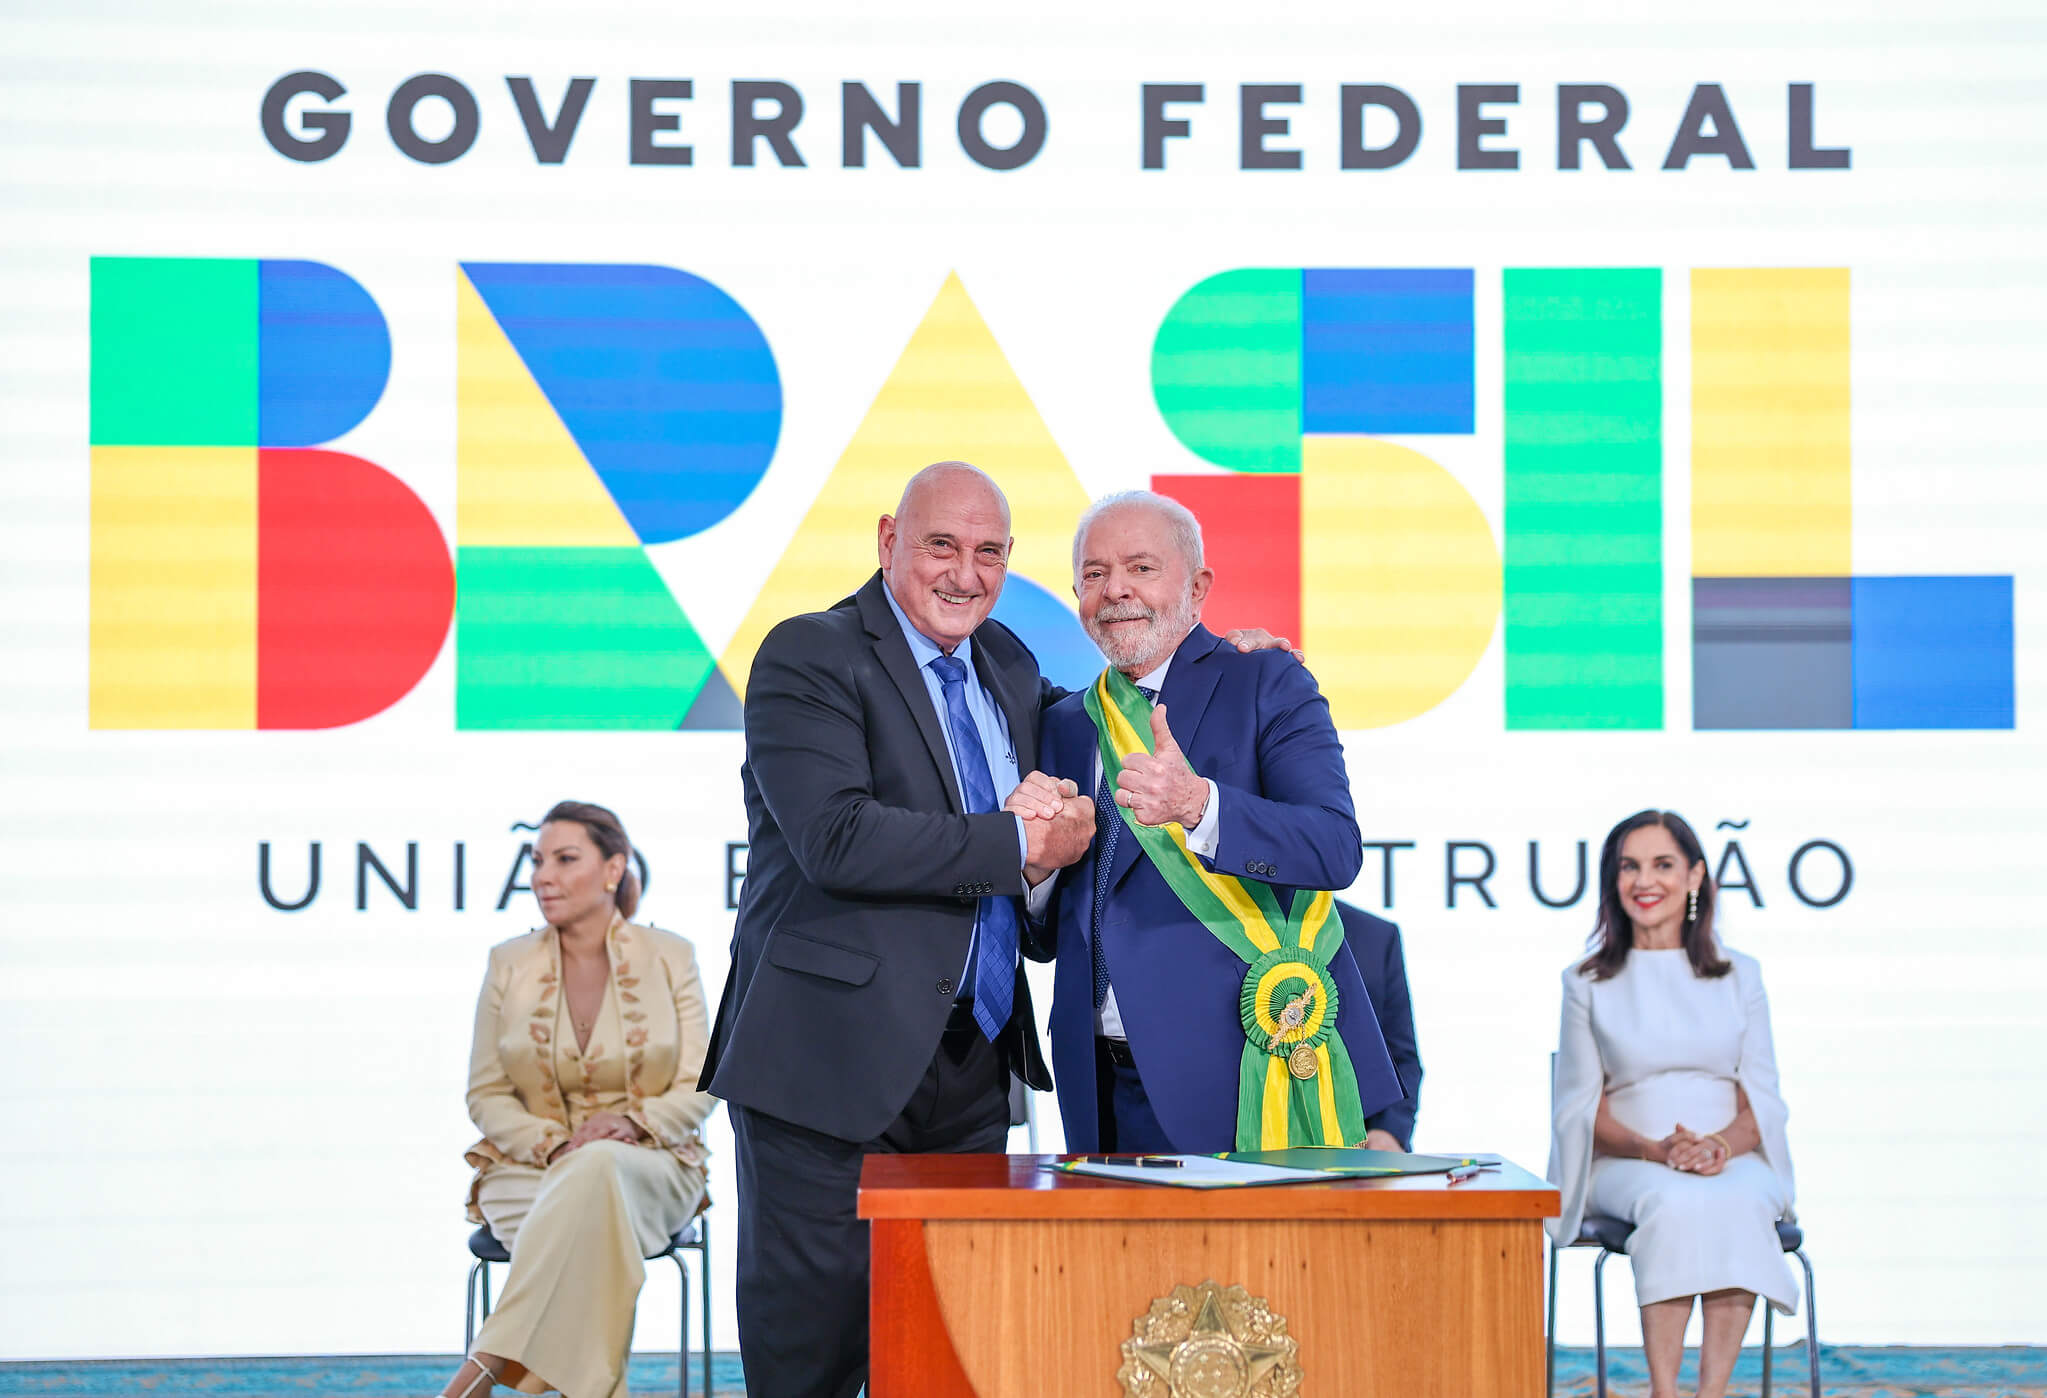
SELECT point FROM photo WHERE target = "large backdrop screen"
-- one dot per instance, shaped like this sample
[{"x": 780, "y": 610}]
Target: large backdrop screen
[{"x": 417, "y": 414}]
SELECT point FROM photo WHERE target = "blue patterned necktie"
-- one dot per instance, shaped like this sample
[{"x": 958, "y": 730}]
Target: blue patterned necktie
[
  {"x": 995, "y": 928},
  {"x": 1108, "y": 823}
]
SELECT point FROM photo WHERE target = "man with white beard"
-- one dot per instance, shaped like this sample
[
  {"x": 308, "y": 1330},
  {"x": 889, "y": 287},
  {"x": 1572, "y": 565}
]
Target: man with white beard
[{"x": 1203, "y": 999}]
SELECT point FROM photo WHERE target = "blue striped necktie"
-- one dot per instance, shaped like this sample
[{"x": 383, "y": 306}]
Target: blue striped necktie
[
  {"x": 995, "y": 929},
  {"x": 1108, "y": 824}
]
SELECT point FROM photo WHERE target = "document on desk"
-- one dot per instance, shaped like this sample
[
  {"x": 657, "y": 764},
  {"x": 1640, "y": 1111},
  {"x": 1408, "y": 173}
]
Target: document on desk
[
  {"x": 1301, "y": 1165},
  {"x": 1189, "y": 1172},
  {"x": 1351, "y": 1161}
]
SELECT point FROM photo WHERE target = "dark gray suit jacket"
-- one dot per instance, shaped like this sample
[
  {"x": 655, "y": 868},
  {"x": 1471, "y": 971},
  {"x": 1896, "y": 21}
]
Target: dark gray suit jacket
[{"x": 864, "y": 872}]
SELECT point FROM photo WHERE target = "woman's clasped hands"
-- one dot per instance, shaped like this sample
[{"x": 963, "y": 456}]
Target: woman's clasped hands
[
  {"x": 600, "y": 1126},
  {"x": 1691, "y": 1153}
]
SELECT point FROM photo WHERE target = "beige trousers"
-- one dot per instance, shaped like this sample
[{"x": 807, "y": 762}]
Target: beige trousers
[{"x": 578, "y": 1234}]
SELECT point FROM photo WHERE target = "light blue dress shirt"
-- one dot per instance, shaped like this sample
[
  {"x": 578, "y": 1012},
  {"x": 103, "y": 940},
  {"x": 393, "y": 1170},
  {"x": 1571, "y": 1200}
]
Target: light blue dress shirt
[{"x": 988, "y": 719}]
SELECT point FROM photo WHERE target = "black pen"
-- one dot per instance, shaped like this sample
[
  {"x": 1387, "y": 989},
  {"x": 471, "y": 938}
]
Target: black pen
[{"x": 1141, "y": 1162}]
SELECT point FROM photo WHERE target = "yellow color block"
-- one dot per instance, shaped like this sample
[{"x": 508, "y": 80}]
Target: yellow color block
[
  {"x": 951, "y": 396},
  {"x": 1770, "y": 396},
  {"x": 173, "y": 627},
  {"x": 1400, "y": 579},
  {"x": 520, "y": 479}
]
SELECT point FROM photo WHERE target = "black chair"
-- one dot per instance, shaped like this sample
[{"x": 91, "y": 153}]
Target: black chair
[
  {"x": 1610, "y": 1236},
  {"x": 695, "y": 1237}
]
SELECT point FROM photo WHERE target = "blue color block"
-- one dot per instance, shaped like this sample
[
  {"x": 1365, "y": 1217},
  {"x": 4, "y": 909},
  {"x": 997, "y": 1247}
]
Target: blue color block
[
  {"x": 664, "y": 382},
  {"x": 1933, "y": 653},
  {"x": 1385, "y": 352},
  {"x": 1065, "y": 654},
  {"x": 323, "y": 354}
]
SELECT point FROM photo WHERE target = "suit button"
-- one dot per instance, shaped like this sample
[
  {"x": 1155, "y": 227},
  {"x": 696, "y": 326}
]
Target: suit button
[
  {"x": 945, "y": 985},
  {"x": 1250, "y": 866}
]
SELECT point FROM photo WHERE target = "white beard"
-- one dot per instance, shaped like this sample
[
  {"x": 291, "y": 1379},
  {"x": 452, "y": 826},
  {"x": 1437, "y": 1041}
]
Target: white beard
[{"x": 1146, "y": 650}]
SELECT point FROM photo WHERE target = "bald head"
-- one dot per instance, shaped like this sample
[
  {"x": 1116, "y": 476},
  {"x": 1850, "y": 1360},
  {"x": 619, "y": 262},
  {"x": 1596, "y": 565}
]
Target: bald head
[
  {"x": 941, "y": 479},
  {"x": 945, "y": 551}
]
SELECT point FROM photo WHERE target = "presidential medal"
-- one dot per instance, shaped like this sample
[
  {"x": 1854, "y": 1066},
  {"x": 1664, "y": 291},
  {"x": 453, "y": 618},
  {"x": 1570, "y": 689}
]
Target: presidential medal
[{"x": 1301, "y": 1062}]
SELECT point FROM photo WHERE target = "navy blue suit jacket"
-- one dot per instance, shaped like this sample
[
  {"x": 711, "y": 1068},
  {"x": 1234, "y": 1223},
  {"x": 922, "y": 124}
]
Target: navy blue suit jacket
[
  {"x": 1375, "y": 944},
  {"x": 1258, "y": 727}
]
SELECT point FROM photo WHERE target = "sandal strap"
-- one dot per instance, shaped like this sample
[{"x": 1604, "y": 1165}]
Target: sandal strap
[{"x": 485, "y": 1376}]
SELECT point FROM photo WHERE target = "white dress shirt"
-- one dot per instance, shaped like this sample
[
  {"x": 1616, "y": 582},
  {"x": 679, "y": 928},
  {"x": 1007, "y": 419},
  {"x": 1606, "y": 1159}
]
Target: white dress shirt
[{"x": 1201, "y": 840}]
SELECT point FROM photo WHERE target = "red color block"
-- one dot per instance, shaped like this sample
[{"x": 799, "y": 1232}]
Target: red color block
[
  {"x": 1251, "y": 532},
  {"x": 355, "y": 589}
]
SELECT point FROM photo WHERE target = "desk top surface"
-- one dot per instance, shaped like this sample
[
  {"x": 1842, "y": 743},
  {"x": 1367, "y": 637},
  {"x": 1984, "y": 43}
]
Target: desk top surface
[{"x": 1017, "y": 1186}]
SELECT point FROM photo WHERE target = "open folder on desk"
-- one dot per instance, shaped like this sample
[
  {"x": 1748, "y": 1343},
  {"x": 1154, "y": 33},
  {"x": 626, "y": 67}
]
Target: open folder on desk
[{"x": 1300, "y": 1165}]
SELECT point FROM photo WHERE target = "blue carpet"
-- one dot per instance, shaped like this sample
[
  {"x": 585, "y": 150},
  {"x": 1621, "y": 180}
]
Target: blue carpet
[
  {"x": 1845, "y": 1372},
  {"x": 295, "y": 1376}
]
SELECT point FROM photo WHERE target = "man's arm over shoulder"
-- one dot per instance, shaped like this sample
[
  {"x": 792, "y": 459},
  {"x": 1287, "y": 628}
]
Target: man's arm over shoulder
[
  {"x": 807, "y": 748},
  {"x": 1048, "y": 695},
  {"x": 1300, "y": 827}
]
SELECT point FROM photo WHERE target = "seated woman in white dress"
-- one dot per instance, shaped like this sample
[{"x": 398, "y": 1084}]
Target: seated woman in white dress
[
  {"x": 1666, "y": 1112},
  {"x": 590, "y": 1036}
]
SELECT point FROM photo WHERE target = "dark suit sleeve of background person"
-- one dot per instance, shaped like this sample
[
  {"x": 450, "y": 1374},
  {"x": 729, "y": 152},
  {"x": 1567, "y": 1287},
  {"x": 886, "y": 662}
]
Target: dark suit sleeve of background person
[
  {"x": 811, "y": 744},
  {"x": 1287, "y": 816},
  {"x": 1375, "y": 943}
]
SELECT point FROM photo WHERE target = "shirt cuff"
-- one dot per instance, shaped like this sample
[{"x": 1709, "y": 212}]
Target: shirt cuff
[
  {"x": 1203, "y": 838},
  {"x": 1023, "y": 842},
  {"x": 1037, "y": 899}
]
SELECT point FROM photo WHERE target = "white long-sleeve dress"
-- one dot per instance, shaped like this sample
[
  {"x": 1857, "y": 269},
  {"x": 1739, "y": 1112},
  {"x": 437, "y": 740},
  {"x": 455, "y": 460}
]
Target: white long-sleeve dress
[{"x": 1671, "y": 1046}]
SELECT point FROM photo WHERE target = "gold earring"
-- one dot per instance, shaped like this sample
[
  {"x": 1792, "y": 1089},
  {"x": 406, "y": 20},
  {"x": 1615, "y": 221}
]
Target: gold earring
[
  {"x": 1692, "y": 908},
  {"x": 613, "y": 888}
]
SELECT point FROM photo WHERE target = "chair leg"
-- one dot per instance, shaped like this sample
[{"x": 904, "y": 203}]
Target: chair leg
[
  {"x": 1599, "y": 1318},
  {"x": 1812, "y": 1324},
  {"x": 1769, "y": 1315},
  {"x": 1549, "y": 1382},
  {"x": 469, "y": 1306},
  {"x": 682, "y": 1333},
  {"x": 704, "y": 1292}
]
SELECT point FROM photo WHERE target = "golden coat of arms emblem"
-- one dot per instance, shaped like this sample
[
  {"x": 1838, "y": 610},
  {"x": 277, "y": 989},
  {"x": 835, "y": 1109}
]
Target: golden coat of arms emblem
[{"x": 1209, "y": 1341}]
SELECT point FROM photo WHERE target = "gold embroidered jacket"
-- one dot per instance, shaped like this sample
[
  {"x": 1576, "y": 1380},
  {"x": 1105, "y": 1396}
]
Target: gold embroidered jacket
[{"x": 528, "y": 1086}]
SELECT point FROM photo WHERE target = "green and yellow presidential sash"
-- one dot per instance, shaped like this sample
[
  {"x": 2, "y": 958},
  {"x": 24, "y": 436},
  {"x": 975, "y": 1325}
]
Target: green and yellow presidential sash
[{"x": 1295, "y": 1086}]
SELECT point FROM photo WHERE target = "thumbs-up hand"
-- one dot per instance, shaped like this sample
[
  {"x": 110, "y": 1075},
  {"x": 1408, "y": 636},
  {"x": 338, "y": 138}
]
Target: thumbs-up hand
[{"x": 1159, "y": 787}]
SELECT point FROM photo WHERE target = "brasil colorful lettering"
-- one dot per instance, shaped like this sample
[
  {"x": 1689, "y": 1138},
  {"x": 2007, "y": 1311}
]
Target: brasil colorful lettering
[{"x": 246, "y": 573}]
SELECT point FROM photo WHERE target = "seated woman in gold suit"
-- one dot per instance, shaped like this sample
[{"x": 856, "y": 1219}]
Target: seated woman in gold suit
[{"x": 590, "y": 1035}]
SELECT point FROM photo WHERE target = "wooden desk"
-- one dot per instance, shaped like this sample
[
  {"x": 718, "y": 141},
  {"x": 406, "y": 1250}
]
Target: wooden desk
[{"x": 994, "y": 1278}]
